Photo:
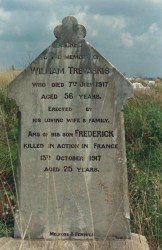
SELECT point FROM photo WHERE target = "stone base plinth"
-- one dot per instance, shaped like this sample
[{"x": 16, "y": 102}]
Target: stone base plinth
[{"x": 137, "y": 242}]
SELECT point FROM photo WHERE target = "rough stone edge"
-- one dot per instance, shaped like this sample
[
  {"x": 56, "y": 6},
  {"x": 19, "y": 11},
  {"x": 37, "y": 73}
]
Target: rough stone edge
[{"x": 137, "y": 242}]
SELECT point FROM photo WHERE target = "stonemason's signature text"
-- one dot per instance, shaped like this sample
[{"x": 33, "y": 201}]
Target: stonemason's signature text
[{"x": 71, "y": 234}]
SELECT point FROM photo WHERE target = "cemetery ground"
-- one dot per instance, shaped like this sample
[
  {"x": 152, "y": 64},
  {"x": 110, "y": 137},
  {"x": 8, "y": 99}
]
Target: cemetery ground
[{"x": 143, "y": 129}]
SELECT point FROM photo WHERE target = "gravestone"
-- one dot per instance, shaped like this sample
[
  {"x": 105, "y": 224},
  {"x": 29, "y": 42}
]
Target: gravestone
[{"x": 72, "y": 174}]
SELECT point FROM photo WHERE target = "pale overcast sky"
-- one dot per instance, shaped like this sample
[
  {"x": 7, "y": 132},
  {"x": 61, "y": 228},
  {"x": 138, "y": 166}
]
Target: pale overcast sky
[{"x": 126, "y": 32}]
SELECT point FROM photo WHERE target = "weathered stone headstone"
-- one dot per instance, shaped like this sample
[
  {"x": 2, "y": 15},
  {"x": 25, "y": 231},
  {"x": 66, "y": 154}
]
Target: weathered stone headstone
[{"x": 72, "y": 175}]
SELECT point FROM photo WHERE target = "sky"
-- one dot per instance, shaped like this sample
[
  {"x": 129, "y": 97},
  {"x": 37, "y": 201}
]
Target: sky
[{"x": 128, "y": 33}]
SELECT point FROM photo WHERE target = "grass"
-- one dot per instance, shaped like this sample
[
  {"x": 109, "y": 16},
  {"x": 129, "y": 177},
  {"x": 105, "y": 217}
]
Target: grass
[
  {"x": 143, "y": 126},
  {"x": 8, "y": 154}
]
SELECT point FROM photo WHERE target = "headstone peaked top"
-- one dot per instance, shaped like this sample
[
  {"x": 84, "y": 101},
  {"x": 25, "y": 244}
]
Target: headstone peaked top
[{"x": 72, "y": 175}]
